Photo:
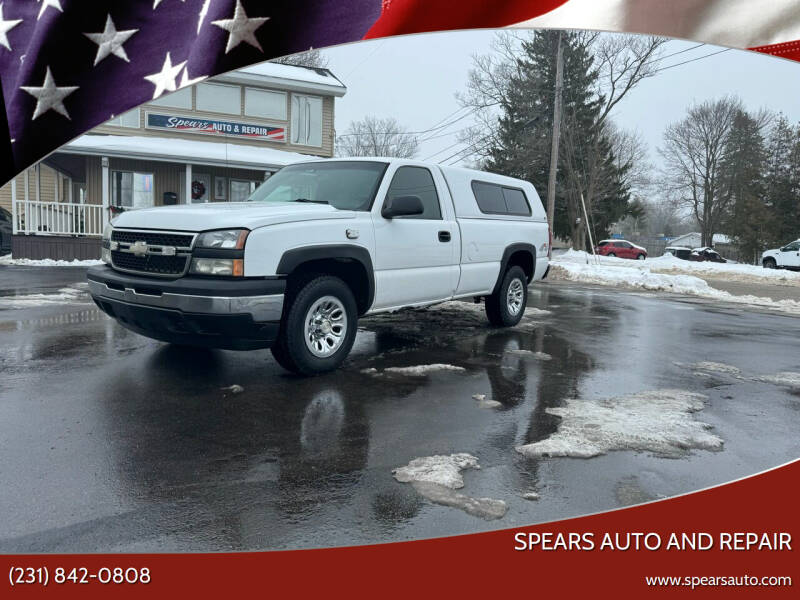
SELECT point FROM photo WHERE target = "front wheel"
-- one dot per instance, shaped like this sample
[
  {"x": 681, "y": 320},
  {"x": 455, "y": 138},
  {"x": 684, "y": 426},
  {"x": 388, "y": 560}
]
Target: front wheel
[
  {"x": 769, "y": 263},
  {"x": 505, "y": 307},
  {"x": 640, "y": 257},
  {"x": 319, "y": 327}
]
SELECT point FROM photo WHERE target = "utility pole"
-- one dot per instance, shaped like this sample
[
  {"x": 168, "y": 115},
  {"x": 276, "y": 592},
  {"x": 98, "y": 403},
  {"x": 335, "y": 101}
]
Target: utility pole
[{"x": 551, "y": 181}]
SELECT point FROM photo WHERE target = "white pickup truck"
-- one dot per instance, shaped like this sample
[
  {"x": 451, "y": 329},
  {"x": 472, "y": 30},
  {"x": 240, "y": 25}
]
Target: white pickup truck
[
  {"x": 318, "y": 245},
  {"x": 787, "y": 257}
]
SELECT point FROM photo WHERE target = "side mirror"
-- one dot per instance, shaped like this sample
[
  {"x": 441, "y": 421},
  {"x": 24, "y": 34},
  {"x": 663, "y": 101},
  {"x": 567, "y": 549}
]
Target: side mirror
[{"x": 402, "y": 206}]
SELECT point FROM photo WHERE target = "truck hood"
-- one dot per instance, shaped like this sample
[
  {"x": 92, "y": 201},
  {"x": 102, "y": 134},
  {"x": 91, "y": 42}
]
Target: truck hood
[{"x": 250, "y": 215}]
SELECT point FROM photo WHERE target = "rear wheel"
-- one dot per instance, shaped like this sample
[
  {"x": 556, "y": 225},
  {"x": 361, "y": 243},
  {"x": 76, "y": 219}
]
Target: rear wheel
[
  {"x": 769, "y": 263},
  {"x": 505, "y": 307},
  {"x": 612, "y": 255},
  {"x": 319, "y": 327}
]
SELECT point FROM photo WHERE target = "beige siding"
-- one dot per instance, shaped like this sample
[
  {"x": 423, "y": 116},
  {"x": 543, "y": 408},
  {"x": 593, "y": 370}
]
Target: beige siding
[
  {"x": 327, "y": 126},
  {"x": 47, "y": 180}
]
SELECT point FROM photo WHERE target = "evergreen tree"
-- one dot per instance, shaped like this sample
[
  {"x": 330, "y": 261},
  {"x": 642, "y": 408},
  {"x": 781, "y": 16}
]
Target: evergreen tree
[
  {"x": 782, "y": 186},
  {"x": 586, "y": 161},
  {"x": 749, "y": 220}
]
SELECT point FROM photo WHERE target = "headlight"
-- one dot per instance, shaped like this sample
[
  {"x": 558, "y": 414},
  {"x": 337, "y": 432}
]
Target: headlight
[
  {"x": 231, "y": 239},
  {"x": 105, "y": 245},
  {"x": 231, "y": 267}
]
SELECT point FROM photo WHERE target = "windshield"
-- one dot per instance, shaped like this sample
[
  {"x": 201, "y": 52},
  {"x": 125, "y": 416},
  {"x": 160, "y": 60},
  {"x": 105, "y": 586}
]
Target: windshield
[{"x": 346, "y": 185}]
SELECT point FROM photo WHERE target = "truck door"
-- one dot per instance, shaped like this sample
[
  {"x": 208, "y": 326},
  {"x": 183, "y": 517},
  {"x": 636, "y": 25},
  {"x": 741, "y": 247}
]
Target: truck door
[
  {"x": 416, "y": 257},
  {"x": 790, "y": 255}
]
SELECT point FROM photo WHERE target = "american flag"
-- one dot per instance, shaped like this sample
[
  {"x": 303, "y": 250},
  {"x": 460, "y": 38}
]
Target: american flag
[{"x": 69, "y": 65}]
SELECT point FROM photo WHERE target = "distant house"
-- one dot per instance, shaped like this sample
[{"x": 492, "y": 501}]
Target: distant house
[
  {"x": 695, "y": 240},
  {"x": 212, "y": 142}
]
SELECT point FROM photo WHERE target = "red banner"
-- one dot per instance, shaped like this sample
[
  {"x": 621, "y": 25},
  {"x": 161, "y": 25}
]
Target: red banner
[{"x": 736, "y": 538}]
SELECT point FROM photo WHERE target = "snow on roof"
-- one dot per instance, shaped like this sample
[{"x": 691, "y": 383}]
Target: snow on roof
[
  {"x": 719, "y": 238},
  {"x": 290, "y": 76},
  {"x": 179, "y": 150}
]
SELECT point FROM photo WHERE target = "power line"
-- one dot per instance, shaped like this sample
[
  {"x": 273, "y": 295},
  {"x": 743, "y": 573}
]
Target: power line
[{"x": 691, "y": 60}]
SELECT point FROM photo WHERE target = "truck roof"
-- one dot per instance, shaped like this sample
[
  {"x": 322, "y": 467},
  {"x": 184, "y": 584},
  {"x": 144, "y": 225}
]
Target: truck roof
[{"x": 459, "y": 181}]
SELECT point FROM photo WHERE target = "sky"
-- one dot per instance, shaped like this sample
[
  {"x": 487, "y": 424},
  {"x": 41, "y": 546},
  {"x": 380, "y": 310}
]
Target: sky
[{"x": 415, "y": 80}]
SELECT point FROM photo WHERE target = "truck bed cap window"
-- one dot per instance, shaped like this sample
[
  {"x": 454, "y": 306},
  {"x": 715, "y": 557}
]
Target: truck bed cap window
[{"x": 495, "y": 199}]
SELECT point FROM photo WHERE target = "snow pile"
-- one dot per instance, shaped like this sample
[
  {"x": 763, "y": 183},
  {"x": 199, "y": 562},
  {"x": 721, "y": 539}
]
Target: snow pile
[
  {"x": 532, "y": 354},
  {"x": 67, "y": 295},
  {"x": 641, "y": 278},
  {"x": 484, "y": 403},
  {"x": 442, "y": 469},
  {"x": 485, "y": 508},
  {"x": 437, "y": 477},
  {"x": 668, "y": 264},
  {"x": 416, "y": 370},
  {"x": 715, "y": 367},
  {"x": 46, "y": 262},
  {"x": 787, "y": 378},
  {"x": 657, "y": 421}
]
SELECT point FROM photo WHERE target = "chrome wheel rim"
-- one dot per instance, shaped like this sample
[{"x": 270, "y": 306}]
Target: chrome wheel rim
[
  {"x": 325, "y": 326},
  {"x": 514, "y": 297}
]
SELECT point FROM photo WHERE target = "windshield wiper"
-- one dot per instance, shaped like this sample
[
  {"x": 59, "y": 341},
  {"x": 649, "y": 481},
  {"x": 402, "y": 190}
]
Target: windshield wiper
[{"x": 311, "y": 201}]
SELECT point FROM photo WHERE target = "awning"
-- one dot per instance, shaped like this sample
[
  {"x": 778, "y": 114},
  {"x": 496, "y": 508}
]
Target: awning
[{"x": 217, "y": 154}]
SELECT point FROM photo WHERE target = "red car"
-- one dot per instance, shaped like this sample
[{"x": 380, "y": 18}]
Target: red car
[{"x": 620, "y": 249}]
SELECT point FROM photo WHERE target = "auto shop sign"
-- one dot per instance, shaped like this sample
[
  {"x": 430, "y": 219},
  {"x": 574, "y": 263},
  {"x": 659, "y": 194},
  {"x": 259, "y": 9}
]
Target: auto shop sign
[{"x": 186, "y": 124}]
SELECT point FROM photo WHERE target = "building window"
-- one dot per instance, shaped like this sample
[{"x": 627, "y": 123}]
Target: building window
[
  {"x": 214, "y": 97},
  {"x": 265, "y": 104},
  {"x": 306, "y": 120},
  {"x": 129, "y": 119},
  {"x": 180, "y": 99},
  {"x": 131, "y": 190},
  {"x": 241, "y": 189}
]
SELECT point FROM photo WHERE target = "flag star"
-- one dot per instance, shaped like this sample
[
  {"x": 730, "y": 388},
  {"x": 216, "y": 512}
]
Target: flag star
[
  {"x": 203, "y": 14},
  {"x": 54, "y": 3},
  {"x": 110, "y": 41},
  {"x": 5, "y": 27},
  {"x": 164, "y": 80},
  {"x": 241, "y": 28},
  {"x": 185, "y": 80},
  {"x": 157, "y": 2},
  {"x": 49, "y": 96}
]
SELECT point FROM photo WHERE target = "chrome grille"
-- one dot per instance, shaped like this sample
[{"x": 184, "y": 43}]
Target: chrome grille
[
  {"x": 151, "y": 252},
  {"x": 154, "y": 238}
]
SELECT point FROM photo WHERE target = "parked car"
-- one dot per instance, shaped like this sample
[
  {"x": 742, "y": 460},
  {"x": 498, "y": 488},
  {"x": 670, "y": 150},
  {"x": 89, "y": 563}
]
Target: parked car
[
  {"x": 681, "y": 252},
  {"x": 620, "y": 249},
  {"x": 787, "y": 257},
  {"x": 5, "y": 231},
  {"x": 706, "y": 255},
  {"x": 318, "y": 245}
]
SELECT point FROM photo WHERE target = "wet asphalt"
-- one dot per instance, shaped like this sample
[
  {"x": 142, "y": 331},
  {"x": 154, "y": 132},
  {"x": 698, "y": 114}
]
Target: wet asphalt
[{"x": 113, "y": 442}]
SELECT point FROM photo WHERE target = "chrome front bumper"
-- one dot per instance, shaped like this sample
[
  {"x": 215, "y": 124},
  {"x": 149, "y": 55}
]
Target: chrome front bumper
[{"x": 260, "y": 308}]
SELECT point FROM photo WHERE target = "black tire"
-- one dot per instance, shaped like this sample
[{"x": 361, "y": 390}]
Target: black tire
[
  {"x": 770, "y": 263},
  {"x": 497, "y": 305},
  {"x": 612, "y": 255},
  {"x": 640, "y": 257},
  {"x": 291, "y": 350}
]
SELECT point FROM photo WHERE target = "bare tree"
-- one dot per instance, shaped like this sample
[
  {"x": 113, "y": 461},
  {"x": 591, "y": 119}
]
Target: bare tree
[
  {"x": 693, "y": 151},
  {"x": 310, "y": 58},
  {"x": 622, "y": 62},
  {"x": 373, "y": 136}
]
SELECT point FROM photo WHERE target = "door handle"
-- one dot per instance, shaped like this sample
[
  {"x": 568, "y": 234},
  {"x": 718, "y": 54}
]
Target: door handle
[{"x": 444, "y": 236}]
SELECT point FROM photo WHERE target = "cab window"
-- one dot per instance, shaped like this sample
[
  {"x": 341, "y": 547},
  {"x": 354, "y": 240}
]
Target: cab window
[{"x": 416, "y": 181}]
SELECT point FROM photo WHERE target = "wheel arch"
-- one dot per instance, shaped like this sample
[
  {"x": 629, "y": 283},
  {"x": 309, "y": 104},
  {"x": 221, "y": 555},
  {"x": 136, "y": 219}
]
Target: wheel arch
[
  {"x": 351, "y": 263},
  {"x": 521, "y": 254}
]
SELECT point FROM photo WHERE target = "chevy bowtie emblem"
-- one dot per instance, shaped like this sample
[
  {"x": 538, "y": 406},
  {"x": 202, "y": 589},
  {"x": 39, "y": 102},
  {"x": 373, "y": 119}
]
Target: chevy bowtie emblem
[{"x": 138, "y": 248}]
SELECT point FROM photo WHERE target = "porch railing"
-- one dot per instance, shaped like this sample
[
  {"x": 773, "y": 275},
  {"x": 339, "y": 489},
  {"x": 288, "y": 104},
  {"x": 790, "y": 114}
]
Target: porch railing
[{"x": 59, "y": 218}]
